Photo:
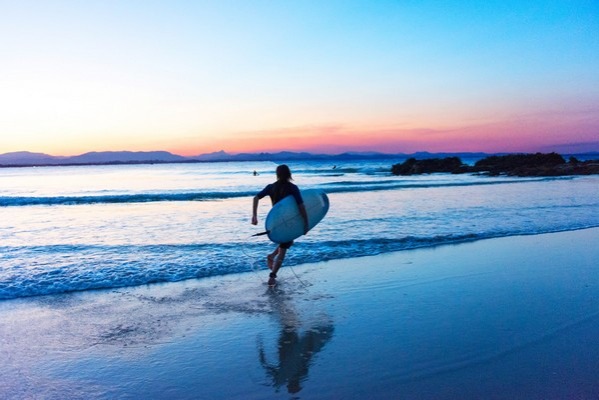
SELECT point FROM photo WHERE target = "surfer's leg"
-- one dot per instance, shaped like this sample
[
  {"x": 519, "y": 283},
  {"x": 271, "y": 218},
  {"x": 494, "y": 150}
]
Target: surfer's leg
[
  {"x": 280, "y": 252},
  {"x": 270, "y": 259},
  {"x": 278, "y": 261}
]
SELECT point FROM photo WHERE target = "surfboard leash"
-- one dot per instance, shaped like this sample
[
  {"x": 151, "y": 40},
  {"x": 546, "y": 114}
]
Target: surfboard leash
[
  {"x": 252, "y": 259},
  {"x": 305, "y": 285}
]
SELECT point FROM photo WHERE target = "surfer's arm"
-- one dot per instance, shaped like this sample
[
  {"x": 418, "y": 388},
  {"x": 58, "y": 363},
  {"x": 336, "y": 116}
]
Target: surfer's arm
[
  {"x": 257, "y": 198},
  {"x": 255, "y": 210},
  {"x": 304, "y": 214},
  {"x": 300, "y": 205}
]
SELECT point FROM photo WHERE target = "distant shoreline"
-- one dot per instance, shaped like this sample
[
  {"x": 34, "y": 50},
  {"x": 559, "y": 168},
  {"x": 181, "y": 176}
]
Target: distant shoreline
[{"x": 28, "y": 160}]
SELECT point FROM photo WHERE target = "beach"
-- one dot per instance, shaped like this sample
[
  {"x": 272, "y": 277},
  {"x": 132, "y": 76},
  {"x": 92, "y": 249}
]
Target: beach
[
  {"x": 427, "y": 176},
  {"x": 504, "y": 318}
]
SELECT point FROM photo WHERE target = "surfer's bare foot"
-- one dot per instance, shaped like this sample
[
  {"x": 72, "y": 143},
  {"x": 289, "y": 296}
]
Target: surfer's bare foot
[
  {"x": 270, "y": 261},
  {"x": 271, "y": 280}
]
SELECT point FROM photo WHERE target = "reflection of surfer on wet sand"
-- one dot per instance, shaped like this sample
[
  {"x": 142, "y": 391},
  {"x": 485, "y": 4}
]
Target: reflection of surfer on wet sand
[{"x": 295, "y": 350}]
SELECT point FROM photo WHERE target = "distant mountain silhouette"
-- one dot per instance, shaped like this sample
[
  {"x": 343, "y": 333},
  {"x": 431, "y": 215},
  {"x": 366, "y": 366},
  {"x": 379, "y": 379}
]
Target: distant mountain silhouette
[
  {"x": 216, "y": 156},
  {"x": 125, "y": 156},
  {"x": 25, "y": 158},
  {"x": 291, "y": 156}
]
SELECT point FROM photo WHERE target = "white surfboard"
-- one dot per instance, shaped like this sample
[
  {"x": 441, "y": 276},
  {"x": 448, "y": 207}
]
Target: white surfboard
[{"x": 284, "y": 222}]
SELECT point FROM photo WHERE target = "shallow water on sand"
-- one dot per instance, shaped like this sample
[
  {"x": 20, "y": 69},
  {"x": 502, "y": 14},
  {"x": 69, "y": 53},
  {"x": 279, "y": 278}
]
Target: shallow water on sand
[{"x": 507, "y": 318}]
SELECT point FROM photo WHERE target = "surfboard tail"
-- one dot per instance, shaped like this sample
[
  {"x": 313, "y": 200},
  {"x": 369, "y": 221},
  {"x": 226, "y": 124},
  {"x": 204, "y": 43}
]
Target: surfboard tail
[{"x": 261, "y": 233}]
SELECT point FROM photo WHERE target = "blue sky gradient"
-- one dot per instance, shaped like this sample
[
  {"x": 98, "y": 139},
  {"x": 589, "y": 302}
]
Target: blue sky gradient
[{"x": 201, "y": 76}]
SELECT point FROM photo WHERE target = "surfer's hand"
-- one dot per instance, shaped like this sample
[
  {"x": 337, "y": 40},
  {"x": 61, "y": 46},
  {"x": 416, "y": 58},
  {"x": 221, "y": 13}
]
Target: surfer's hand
[{"x": 254, "y": 220}]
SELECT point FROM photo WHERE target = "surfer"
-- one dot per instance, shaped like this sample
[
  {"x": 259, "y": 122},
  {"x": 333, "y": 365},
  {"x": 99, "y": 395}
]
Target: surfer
[{"x": 277, "y": 191}]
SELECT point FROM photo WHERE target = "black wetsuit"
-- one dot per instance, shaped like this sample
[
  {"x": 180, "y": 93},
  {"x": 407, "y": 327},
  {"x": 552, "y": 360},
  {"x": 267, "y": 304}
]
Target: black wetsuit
[{"x": 278, "y": 191}]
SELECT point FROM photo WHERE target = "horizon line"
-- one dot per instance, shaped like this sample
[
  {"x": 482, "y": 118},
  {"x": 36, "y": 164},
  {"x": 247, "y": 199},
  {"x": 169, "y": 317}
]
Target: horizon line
[{"x": 324, "y": 153}]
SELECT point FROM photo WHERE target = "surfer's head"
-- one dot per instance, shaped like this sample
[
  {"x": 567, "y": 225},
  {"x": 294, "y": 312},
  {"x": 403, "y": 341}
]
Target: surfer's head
[{"x": 283, "y": 173}]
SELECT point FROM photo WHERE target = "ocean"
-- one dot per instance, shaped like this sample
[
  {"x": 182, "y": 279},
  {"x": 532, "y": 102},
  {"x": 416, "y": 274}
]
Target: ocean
[{"x": 77, "y": 228}]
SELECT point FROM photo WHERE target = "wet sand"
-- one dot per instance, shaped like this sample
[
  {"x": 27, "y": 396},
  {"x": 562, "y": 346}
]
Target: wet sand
[{"x": 506, "y": 318}]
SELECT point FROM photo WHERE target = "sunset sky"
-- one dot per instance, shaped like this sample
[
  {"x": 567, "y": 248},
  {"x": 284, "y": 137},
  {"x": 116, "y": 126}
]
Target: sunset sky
[{"x": 329, "y": 76}]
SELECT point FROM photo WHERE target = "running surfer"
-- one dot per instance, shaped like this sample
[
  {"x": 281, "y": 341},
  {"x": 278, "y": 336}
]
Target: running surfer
[{"x": 277, "y": 191}]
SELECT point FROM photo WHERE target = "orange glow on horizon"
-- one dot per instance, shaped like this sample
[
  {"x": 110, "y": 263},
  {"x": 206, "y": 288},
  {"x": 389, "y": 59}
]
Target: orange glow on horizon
[
  {"x": 529, "y": 133},
  {"x": 526, "y": 134}
]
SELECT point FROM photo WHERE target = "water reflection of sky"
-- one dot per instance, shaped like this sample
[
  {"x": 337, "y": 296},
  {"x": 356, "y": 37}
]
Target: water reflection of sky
[
  {"x": 296, "y": 346},
  {"x": 223, "y": 337}
]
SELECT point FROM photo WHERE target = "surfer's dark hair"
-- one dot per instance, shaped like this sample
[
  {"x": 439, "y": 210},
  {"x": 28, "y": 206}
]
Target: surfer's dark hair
[{"x": 283, "y": 173}]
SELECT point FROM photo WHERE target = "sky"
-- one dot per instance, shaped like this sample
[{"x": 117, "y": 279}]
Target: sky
[{"x": 195, "y": 77}]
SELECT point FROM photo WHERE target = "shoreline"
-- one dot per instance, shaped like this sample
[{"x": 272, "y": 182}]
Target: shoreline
[
  {"x": 509, "y": 317},
  {"x": 291, "y": 262}
]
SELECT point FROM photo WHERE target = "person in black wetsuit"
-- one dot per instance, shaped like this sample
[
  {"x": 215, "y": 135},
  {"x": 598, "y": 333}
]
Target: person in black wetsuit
[{"x": 277, "y": 191}]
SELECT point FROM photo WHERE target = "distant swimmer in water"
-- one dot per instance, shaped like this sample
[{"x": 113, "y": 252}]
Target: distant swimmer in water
[{"x": 277, "y": 191}]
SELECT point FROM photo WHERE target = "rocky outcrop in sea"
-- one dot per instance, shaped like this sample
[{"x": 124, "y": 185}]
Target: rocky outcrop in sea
[{"x": 538, "y": 164}]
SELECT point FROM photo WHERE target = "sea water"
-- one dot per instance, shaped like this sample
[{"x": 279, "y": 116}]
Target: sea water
[{"x": 80, "y": 228}]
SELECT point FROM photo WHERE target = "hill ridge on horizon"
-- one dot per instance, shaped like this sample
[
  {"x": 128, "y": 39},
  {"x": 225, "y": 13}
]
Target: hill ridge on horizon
[{"x": 26, "y": 158}]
